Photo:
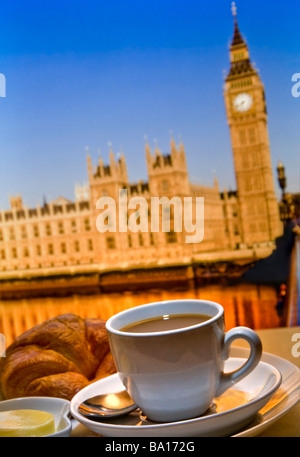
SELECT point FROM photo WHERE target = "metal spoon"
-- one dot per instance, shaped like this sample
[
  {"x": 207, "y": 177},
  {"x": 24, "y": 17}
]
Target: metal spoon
[{"x": 107, "y": 405}]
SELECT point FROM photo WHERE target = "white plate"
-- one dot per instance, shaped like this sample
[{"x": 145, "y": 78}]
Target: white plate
[{"x": 223, "y": 420}]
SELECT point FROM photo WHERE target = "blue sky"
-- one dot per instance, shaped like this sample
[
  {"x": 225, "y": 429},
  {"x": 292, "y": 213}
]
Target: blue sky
[{"x": 85, "y": 73}]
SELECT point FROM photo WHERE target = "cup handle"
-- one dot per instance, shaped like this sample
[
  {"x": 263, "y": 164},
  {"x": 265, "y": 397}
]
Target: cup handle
[{"x": 228, "y": 379}]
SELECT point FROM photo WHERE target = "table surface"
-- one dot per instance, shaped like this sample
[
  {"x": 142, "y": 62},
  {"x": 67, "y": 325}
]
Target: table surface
[{"x": 279, "y": 342}]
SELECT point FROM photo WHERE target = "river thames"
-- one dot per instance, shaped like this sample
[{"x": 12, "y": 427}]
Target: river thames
[{"x": 245, "y": 304}]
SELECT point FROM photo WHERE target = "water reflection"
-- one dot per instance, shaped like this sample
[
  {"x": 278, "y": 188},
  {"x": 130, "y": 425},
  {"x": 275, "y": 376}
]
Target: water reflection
[{"x": 245, "y": 304}]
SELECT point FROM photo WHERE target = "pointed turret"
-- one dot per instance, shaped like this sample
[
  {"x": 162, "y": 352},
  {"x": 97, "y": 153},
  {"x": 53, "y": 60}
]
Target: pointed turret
[
  {"x": 237, "y": 37},
  {"x": 157, "y": 151},
  {"x": 101, "y": 165},
  {"x": 111, "y": 155},
  {"x": 181, "y": 148},
  {"x": 147, "y": 148},
  {"x": 173, "y": 147},
  {"x": 89, "y": 163},
  {"x": 239, "y": 53},
  {"x": 122, "y": 166},
  {"x": 112, "y": 163},
  {"x": 216, "y": 181}
]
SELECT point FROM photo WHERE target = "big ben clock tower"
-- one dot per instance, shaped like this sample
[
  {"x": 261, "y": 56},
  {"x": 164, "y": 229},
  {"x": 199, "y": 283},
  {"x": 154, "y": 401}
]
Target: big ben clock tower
[{"x": 247, "y": 118}]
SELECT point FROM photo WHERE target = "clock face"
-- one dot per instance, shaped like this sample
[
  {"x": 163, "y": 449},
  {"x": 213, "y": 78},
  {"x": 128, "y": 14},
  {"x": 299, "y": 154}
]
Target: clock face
[{"x": 243, "y": 102}]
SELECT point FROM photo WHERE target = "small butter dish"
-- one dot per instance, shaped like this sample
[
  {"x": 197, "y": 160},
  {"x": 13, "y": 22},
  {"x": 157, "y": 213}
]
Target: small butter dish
[{"x": 57, "y": 406}]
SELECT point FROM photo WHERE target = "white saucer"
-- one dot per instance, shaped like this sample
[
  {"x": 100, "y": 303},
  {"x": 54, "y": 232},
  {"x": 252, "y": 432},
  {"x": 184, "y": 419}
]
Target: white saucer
[
  {"x": 282, "y": 401},
  {"x": 224, "y": 419}
]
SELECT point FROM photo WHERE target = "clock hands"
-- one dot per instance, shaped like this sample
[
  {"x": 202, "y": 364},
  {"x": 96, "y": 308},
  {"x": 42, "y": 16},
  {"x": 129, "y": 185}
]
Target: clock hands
[{"x": 243, "y": 102}]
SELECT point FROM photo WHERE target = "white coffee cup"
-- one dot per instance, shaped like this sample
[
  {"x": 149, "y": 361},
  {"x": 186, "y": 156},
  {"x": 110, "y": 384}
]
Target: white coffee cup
[{"x": 175, "y": 374}]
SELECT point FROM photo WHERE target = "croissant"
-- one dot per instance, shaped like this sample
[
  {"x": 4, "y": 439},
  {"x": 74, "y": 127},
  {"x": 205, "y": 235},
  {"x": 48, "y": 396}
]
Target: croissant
[{"x": 56, "y": 358}]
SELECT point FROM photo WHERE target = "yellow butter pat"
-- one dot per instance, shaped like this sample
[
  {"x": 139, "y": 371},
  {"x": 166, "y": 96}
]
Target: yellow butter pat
[{"x": 26, "y": 422}]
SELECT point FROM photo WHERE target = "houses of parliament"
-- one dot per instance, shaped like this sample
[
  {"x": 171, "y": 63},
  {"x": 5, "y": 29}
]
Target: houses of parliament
[{"x": 61, "y": 235}]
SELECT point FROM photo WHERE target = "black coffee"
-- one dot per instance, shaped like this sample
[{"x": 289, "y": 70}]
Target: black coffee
[{"x": 164, "y": 323}]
